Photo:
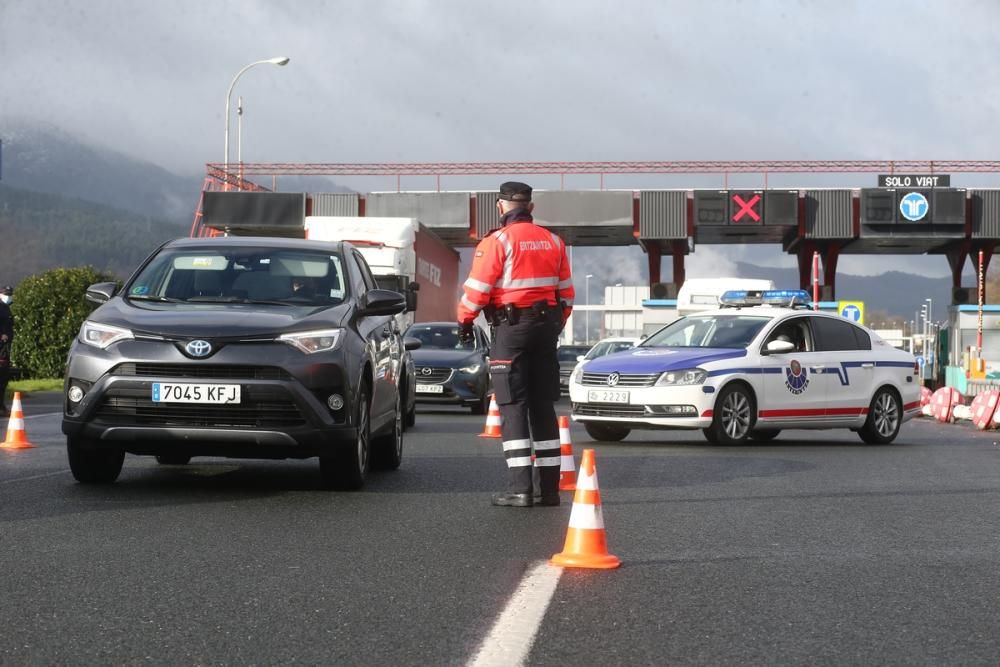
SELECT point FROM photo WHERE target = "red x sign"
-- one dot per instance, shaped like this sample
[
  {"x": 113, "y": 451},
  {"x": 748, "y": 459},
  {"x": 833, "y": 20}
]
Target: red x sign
[{"x": 746, "y": 208}]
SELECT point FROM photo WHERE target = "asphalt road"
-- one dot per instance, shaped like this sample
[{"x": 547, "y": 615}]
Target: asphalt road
[{"x": 811, "y": 549}]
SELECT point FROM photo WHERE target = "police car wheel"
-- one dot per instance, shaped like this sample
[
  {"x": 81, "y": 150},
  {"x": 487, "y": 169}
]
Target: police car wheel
[
  {"x": 884, "y": 418},
  {"x": 734, "y": 416},
  {"x": 764, "y": 434},
  {"x": 606, "y": 432}
]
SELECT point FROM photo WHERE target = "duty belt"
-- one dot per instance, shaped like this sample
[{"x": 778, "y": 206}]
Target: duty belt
[{"x": 512, "y": 314}]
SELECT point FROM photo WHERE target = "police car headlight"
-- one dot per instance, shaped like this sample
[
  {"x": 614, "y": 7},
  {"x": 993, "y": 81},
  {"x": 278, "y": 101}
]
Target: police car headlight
[
  {"x": 314, "y": 341},
  {"x": 576, "y": 375},
  {"x": 102, "y": 335},
  {"x": 682, "y": 377}
]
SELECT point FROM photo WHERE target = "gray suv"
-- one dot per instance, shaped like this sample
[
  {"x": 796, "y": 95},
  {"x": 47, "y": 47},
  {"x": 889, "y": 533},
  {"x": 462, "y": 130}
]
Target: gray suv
[{"x": 240, "y": 347}]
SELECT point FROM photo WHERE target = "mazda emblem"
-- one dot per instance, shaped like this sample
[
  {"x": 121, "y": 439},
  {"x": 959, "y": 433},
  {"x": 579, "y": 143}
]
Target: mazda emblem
[
  {"x": 613, "y": 379},
  {"x": 199, "y": 348},
  {"x": 426, "y": 371}
]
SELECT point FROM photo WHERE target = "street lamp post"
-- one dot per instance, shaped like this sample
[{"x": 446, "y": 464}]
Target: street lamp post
[
  {"x": 281, "y": 61},
  {"x": 586, "y": 320}
]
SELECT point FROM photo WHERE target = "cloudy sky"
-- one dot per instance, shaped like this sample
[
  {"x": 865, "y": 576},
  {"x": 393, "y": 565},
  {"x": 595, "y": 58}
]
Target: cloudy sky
[{"x": 463, "y": 80}]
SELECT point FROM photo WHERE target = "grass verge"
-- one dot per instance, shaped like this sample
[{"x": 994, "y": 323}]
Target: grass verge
[{"x": 28, "y": 386}]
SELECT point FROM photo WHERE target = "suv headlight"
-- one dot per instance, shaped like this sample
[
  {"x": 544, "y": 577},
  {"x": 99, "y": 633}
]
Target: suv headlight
[
  {"x": 681, "y": 377},
  {"x": 102, "y": 335},
  {"x": 474, "y": 368},
  {"x": 324, "y": 340}
]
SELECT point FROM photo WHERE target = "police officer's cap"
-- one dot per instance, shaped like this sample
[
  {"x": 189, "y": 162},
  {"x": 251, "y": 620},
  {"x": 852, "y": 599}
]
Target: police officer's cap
[{"x": 514, "y": 191}]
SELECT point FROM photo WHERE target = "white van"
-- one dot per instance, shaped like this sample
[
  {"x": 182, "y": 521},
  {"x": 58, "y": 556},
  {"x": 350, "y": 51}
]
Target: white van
[{"x": 703, "y": 293}]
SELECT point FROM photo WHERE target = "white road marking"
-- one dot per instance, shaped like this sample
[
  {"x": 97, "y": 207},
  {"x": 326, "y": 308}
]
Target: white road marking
[
  {"x": 25, "y": 479},
  {"x": 513, "y": 634},
  {"x": 47, "y": 414}
]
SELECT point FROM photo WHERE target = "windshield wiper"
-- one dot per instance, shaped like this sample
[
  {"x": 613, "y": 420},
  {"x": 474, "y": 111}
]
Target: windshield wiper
[
  {"x": 236, "y": 299},
  {"x": 153, "y": 297}
]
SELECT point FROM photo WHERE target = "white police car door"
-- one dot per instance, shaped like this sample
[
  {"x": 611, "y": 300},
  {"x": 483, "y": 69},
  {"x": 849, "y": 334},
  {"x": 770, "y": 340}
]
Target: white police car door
[
  {"x": 794, "y": 383},
  {"x": 850, "y": 367}
]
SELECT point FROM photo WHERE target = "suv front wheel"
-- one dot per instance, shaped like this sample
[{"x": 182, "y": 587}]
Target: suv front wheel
[
  {"x": 346, "y": 466},
  {"x": 91, "y": 465}
]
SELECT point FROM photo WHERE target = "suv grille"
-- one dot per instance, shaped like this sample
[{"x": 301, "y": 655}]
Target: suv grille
[
  {"x": 624, "y": 379},
  {"x": 261, "y": 407},
  {"x": 201, "y": 371},
  {"x": 594, "y": 410},
  {"x": 429, "y": 375}
]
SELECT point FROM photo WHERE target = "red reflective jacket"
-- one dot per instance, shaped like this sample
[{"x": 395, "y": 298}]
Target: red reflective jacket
[{"x": 520, "y": 264}]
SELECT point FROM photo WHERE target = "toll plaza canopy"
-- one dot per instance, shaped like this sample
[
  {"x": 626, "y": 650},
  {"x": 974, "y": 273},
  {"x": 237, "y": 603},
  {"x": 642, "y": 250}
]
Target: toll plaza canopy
[{"x": 913, "y": 209}]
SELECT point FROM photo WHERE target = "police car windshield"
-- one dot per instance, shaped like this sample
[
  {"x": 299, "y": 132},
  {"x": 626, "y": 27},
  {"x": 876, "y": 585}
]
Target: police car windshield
[
  {"x": 608, "y": 347},
  {"x": 728, "y": 331}
]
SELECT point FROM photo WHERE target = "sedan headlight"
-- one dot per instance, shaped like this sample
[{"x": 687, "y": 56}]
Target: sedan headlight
[
  {"x": 474, "y": 368},
  {"x": 577, "y": 374},
  {"x": 681, "y": 377},
  {"x": 314, "y": 341},
  {"x": 102, "y": 335}
]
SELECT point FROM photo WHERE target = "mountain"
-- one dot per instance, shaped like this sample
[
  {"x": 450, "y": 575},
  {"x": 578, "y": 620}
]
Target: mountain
[
  {"x": 42, "y": 231},
  {"x": 46, "y": 159},
  {"x": 894, "y": 293}
]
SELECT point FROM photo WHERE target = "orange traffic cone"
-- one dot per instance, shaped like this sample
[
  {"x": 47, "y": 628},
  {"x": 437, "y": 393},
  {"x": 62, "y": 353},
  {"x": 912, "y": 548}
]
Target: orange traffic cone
[
  {"x": 567, "y": 465},
  {"x": 493, "y": 422},
  {"x": 586, "y": 542},
  {"x": 16, "y": 437}
]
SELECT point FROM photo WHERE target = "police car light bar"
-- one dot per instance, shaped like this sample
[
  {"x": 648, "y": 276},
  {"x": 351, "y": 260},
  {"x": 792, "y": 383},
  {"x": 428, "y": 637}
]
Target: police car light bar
[{"x": 778, "y": 297}]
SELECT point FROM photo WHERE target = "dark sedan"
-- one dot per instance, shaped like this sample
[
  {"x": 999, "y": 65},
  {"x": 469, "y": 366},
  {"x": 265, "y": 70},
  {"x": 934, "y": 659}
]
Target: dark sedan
[
  {"x": 214, "y": 348},
  {"x": 449, "y": 371},
  {"x": 568, "y": 359}
]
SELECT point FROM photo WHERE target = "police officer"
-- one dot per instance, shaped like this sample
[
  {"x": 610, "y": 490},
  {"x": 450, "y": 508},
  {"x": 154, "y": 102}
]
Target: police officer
[
  {"x": 520, "y": 280},
  {"x": 6, "y": 339}
]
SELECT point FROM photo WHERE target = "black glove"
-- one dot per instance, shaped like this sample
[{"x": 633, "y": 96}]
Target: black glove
[{"x": 465, "y": 333}]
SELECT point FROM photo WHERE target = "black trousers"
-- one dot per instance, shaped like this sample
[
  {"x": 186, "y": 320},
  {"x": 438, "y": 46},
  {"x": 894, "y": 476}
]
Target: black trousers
[
  {"x": 4, "y": 376},
  {"x": 525, "y": 373}
]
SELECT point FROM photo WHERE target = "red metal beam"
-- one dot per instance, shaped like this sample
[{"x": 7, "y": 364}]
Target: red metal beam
[{"x": 562, "y": 168}]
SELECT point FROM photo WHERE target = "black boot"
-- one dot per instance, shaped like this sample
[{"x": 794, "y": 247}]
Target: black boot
[
  {"x": 548, "y": 486},
  {"x": 508, "y": 499}
]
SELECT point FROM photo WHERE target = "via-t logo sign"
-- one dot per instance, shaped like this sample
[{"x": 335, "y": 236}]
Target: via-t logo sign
[{"x": 913, "y": 206}]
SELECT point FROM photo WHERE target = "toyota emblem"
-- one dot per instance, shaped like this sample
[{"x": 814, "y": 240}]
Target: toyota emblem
[
  {"x": 426, "y": 371},
  {"x": 613, "y": 379},
  {"x": 199, "y": 348}
]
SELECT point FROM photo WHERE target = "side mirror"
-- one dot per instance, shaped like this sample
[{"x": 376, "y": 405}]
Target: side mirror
[
  {"x": 580, "y": 357},
  {"x": 382, "y": 302},
  {"x": 101, "y": 292},
  {"x": 779, "y": 347},
  {"x": 411, "y": 343}
]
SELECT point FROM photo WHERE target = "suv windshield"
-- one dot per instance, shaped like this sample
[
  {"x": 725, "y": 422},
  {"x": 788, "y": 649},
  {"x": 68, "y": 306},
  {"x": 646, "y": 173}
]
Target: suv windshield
[
  {"x": 734, "y": 331},
  {"x": 241, "y": 275},
  {"x": 439, "y": 337}
]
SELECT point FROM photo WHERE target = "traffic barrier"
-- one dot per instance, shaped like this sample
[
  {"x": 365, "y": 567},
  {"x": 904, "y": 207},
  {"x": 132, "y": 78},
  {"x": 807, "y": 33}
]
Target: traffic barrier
[
  {"x": 16, "y": 436},
  {"x": 567, "y": 464},
  {"x": 943, "y": 403},
  {"x": 925, "y": 396},
  {"x": 493, "y": 420},
  {"x": 586, "y": 541},
  {"x": 963, "y": 412},
  {"x": 984, "y": 409}
]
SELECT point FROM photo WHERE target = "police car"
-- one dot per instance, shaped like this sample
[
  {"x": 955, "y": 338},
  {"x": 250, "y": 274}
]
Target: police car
[{"x": 761, "y": 363}]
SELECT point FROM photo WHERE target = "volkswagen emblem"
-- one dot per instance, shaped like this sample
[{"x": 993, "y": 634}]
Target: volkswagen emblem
[
  {"x": 613, "y": 379},
  {"x": 199, "y": 348},
  {"x": 426, "y": 371}
]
